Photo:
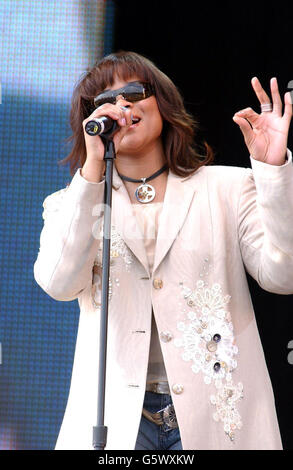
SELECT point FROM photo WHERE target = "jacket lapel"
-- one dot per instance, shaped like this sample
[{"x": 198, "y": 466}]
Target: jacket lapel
[{"x": 178, "y": 196}]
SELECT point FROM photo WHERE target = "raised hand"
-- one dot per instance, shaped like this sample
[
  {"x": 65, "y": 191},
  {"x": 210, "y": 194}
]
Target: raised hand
[{"x": 266, "y": 134}]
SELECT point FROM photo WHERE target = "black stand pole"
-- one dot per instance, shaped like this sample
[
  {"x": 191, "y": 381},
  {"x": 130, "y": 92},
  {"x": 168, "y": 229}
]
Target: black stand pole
[{"x": 100, "y": 431}]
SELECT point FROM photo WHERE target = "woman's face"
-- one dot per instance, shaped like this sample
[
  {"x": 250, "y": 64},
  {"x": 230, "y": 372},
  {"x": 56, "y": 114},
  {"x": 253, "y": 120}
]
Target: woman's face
[{"x": 146, "y": 133}]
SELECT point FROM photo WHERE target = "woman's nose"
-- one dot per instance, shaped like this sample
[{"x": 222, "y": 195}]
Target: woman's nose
[{"x": 122, "y": 102}]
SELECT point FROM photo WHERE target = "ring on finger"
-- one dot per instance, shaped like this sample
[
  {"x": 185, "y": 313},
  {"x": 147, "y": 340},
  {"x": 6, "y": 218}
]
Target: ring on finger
[{"x": 266, "y": 107}]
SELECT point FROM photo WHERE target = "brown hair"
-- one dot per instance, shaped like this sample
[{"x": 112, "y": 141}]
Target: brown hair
[{"x": 179, "y": 126}]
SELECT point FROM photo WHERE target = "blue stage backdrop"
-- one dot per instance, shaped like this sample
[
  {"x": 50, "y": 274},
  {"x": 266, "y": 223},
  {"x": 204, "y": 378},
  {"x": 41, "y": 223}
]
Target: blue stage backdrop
[{"x": 46, "y": 48}]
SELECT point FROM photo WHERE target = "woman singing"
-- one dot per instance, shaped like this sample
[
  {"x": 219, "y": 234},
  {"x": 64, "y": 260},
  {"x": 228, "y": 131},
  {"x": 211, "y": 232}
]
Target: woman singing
[{"x": 185, "y": 364}]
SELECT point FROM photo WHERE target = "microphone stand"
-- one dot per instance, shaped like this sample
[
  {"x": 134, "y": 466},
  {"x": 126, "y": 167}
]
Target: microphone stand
[{"x": 100, "y": 431}]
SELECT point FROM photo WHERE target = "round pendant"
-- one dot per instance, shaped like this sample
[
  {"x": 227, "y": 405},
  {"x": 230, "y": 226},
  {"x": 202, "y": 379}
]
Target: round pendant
[{"x": 145, "y": 193}]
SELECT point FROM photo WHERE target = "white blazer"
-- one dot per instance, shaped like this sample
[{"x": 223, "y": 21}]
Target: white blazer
[{"x": 214, "y": 225}]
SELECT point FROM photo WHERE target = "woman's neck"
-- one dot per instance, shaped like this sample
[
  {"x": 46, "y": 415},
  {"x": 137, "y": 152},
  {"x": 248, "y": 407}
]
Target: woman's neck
[{"x": 141, "y": 165}]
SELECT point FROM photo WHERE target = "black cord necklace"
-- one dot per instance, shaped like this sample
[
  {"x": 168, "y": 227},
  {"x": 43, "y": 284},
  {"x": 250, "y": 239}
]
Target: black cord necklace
[{"x": 144, "y": 192}]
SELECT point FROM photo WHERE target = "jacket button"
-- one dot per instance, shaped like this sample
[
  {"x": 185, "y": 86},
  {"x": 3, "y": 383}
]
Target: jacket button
[
  {"x": 177, "y": 388},
  {"x": 158, "y": 283},
  {"x": 166, "y": 336}
]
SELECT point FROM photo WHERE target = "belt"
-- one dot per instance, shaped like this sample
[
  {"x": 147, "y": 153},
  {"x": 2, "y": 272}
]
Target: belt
[
  {"x": 158, "y": 387},
  {"x": 165, "y": 416}
]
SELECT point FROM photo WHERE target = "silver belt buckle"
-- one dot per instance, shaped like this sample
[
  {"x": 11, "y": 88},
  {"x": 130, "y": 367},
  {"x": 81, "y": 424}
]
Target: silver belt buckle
[
  {"x": 169, "y": 416},
  {"x": 166, "y": 417}
]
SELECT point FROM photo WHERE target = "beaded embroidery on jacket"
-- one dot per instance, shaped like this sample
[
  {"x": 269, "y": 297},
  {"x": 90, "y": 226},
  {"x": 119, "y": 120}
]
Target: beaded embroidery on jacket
[
  {"x": 118, "y": 250},
  {"x": 208, "y": 341},
  {"x": 51, "y": 204}
]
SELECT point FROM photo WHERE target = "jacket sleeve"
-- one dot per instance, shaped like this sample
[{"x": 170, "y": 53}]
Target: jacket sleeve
[
  {"x": 69, "y": 240},
  {"x": 265, "y": 224}
]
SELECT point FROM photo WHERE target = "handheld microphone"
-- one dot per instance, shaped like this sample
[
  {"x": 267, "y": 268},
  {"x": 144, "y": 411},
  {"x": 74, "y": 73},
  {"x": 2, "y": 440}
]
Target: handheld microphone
[{"x": 100, "y": 126}]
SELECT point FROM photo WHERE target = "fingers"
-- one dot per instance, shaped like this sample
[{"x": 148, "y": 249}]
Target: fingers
[
  {"x": 248, "y": 114},
  {"x": 94, "y": 145},
  {"x": 127, "y": 117},
  {"x": 277, "y": 102},
  {"x": 276, "y": 98},
  {"x": 288, "y": 107},
  {"x": 251, "y": 115},
  {"x": 264, "y": 98},
  {"x": 245, "y": 128},
  {"x": 117, "y": 113},
  {"x": 259, "y": 91}
]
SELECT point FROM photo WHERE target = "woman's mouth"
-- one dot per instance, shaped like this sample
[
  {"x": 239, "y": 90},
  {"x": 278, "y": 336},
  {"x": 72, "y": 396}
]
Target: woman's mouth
[{"x": 135, "y": 122}]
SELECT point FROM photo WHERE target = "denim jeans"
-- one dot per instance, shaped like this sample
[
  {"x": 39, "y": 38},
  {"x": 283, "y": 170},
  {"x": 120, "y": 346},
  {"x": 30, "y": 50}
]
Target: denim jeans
[{"x": 150, "y": 435}]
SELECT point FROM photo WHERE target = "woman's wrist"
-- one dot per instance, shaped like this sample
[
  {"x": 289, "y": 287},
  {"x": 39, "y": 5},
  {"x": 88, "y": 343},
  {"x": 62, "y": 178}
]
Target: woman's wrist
[{"x": 93, "y": 171}]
